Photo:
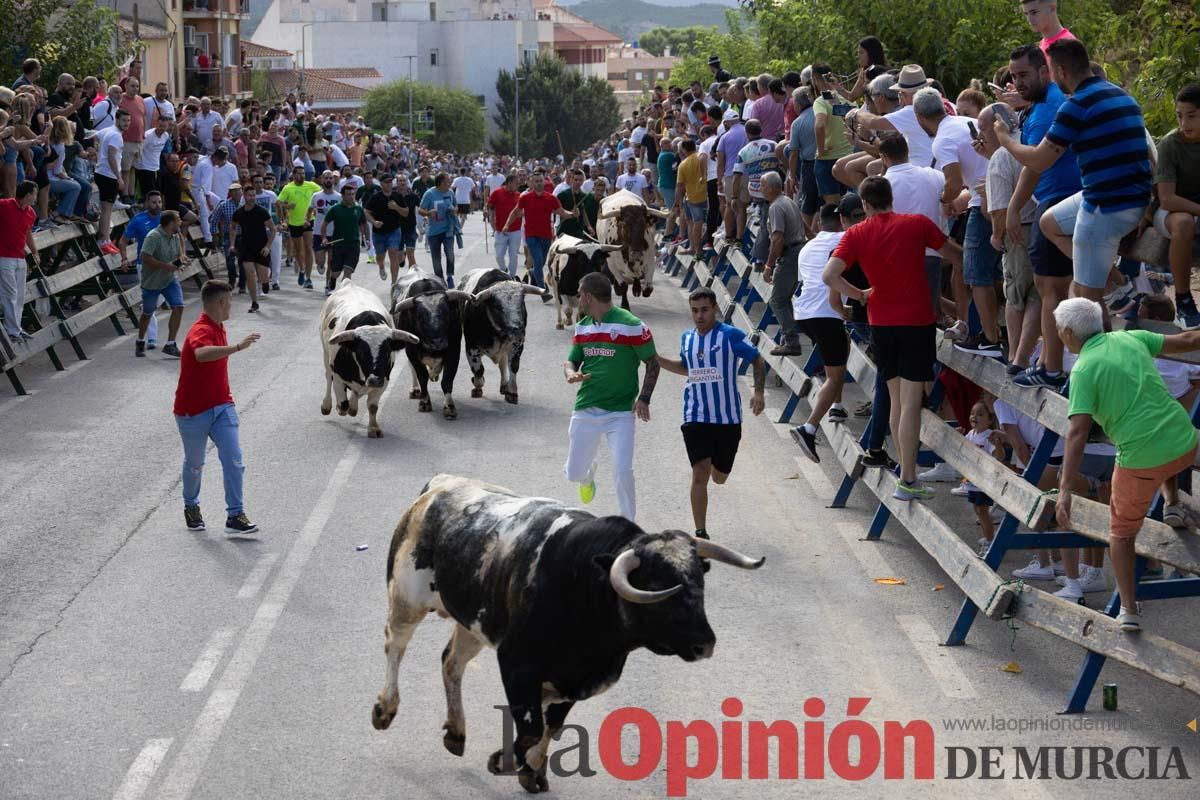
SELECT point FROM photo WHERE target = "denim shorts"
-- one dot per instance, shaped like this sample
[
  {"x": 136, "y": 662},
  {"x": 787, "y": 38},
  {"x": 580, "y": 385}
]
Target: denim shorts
[
  {"x": 172, "y": 293},
  {"x": 668, "y": 195},
  {"x": 1095, "y": 237},
  {"x": 981, "y": 264},
  {"x": 695, "y": 212},
  {"x": 826, "y": 183},
  {"x": 387, "y": 241}
]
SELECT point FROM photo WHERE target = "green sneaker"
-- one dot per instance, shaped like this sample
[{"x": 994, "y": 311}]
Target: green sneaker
[
  {"x": 911, "y": 491},
  {"x": 587, "y": 489}
]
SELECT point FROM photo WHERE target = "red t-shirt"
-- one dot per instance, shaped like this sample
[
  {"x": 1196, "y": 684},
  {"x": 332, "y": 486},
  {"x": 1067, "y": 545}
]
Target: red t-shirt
[
  {"x": 538, "y": 210},
  {"x": 202, "y": 385},
  {"x": 15, "y": 224},
  {"x": 504, "y": 200},
  {"x": 890, "y": 248}
]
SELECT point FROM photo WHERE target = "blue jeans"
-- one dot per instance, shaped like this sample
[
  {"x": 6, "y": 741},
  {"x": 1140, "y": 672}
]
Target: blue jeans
[
  {"x": 439, "y": 243},
  {"x": 220, "y": 424},
  {"x": 981, "y": 264},
  {"x": 85, "y": 194},
  {"x": 68, "y": 191},
  {"x": 1095, "y": 237},
  {"x": 538, "y": 247}
]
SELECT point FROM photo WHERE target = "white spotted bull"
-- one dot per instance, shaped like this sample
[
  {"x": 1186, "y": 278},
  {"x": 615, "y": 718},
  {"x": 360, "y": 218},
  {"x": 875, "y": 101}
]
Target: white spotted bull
[
  {"x": 357, "y": 342},
  {"x": 563, "y": 597},
  {"x": 624, "y": 220},
  {"x": 567, "y": 261},
  {"x": 494, "y": 325}
]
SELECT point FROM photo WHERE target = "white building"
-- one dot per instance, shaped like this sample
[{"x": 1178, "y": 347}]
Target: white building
[{"x": 456, "y": 43}]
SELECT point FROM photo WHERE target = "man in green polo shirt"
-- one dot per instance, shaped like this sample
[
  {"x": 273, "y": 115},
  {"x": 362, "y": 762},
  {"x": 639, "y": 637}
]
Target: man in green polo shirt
[
  {"x": 609, "y": 344},
  {"x": 1116, "y": 384},
  {"x": 161, "y": 260},
  {"x": 349, "y": 226},
  {"x": 574, "y": 197}
]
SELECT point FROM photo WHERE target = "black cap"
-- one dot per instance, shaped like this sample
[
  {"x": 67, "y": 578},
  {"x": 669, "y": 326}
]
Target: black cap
[
  {"x": 714, "y": 61},
  {"x": 222, "y": 150},
  {"x": 850, "y": 205}
]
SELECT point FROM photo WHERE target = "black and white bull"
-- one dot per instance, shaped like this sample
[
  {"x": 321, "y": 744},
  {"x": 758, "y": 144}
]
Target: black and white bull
[
  {"x": 423, "y": 306},
  {"x": 624, "y": 220},
  {"x": 562, "y": 596},
  {"x": 357, "y": 342},
  {"x": 567, "y": 261},
  {"x": 494, "y": 325}
]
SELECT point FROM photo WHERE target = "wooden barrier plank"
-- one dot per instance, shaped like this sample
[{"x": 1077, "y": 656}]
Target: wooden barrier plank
[
  {"x": 1046, "y": 406},
  {"x": 67, "y": 278},
  {"x": 110, "y": 305},
  {"x": 42, "y": 340}
]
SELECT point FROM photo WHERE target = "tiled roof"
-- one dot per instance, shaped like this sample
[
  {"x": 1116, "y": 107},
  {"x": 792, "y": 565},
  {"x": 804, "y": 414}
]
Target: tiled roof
[
  {"x": 146, "y": 30},
  {"x": 582, "y": 34},
  {"x": 256, "y": 50},
  {"x": 342, "y": 73},
  {"x": 317, "y": 87}
]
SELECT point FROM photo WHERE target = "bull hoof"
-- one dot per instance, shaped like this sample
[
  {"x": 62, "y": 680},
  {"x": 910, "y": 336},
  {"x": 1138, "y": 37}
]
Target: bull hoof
[
  {"x": 558, "y": 326},
  {"x": 510, "y": 398},
  {"x": 380, "y": 719},
  {"x": 455, "y": 743},
  {"x": 353, "y": 411},
  {"x": 495, "y": 764},
  {"x": 532, "y": 781},
  {"x": 325, "y": 409},
  {"x": 637, "y": 290},
  {"x": 343, "y": 409},
  {"x": 425, "y": 405},
  {"x": 374, "y": 433},
  {"x": 477, "y": 391},
  {"x": 449, "y": 412},
  {"x": 415, "y": 394},
  {"x": 648, "y": 291}
]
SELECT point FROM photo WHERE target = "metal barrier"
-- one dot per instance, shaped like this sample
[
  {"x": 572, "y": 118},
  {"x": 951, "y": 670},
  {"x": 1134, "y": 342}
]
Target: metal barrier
[
  {"x": 740, "y": 291},
  {"x": 72, "y": 268}
]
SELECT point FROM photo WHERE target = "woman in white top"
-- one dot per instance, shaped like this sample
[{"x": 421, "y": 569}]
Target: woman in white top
[{"x": 61, "y": 183}]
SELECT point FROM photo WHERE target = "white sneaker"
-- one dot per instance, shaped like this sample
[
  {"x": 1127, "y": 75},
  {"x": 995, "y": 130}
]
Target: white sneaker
[
  {"x": 1130, "y": 621},
  {"x": 1094, "y": 581},
  {"x": 1068, "y": 593},
  {"x": 960, "y": 490},
  {"x": 119, "y": 206},
  {"x": 984, "y": 544},
  {"x": 941, "y": 473},
  {"x": 957, "y": 332},
  {"x": 1176, "y": 516},
  {"x": 1034, "y": 571}
]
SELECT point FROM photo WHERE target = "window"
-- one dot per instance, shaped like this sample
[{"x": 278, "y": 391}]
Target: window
[
  {"x": 661, "y": 75},
  {"x": 379, "y": 12},
  {"x": 637, "y": 76},
  {"x": 433, "y": 12},
  {"x": 433, "y": 54},
  {"x": 481, "y": 99}
]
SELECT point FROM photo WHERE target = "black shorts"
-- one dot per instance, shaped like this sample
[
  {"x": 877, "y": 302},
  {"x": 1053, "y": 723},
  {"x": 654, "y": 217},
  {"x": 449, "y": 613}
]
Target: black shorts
[
  {"x": 297, "y": 231},
  {"x": 257, "y": 257},
  {"x": 904, "y": 351},
  {"x": 107, "y": 187},
  {"x": 977, "y": 498},
  {"x": 829, "y": 336},
  {"x": 1047, "y": 260},
  {"x": 343, "y": 258},
  {"x": 712, "y": 441},
  {"x": 810, "y": 196},
  {"x": 464, "y": 208}
]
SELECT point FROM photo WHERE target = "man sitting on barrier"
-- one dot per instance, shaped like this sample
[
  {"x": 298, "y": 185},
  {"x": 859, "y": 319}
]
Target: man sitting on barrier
[
  {"x": 890, "y": 248},
  {"x": 1177, "y": 181},
  {"x": 1115, "y": 383}
]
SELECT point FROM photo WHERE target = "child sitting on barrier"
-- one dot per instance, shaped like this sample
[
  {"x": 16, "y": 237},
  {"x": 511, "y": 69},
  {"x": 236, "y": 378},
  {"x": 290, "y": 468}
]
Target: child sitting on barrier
[{"x": 984, "y": 434}]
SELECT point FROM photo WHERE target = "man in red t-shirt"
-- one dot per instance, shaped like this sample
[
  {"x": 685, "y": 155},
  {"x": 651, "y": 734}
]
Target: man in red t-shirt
[
  {"x": 538, "y": 206},
  {"x": 204, "y": 409},
  {"x": 16, "y": 235},
  {"x": 500, "y": 205},
  {"x": 890, "y": 249}
]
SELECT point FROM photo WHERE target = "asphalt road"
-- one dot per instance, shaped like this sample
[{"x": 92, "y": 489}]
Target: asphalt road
[{"x": 140, "y": 660}]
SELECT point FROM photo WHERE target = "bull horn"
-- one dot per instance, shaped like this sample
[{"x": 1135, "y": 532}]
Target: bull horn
[
  {"x": 404, "y": 336},
  {"x": 484, "y": 294},
  {"x": 609, "y": 214},
  {"x": 460, "y": 295},
  {"x": 610, "y": 248},
  {"x": 405, "y": 305},
  {"x": 716, "y": 552},
  {"x": 342, "y": 338},
  {"x": 529, "y": 288},
  {"x": 661, "y": 213},
  {"x": 618, "y": 576}
]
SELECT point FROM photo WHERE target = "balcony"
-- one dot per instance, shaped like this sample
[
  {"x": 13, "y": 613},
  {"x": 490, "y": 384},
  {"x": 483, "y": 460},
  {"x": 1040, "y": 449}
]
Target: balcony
[
  {"x": 227, "y": 82},
  {"x": 216, "y": 9}
]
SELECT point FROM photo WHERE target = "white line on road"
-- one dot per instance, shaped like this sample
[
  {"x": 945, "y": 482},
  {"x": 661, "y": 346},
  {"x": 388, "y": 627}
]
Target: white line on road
[
  {"x": 207, "y": 661},
  {"x": 257, "y": 576},
  {"x": 141, "y": 772},
  {"x": 938, "y": 660}
]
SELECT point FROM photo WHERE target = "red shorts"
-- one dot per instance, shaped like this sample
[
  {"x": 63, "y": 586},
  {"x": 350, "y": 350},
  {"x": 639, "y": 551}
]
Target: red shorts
[{"x": 1133, "y": 490}]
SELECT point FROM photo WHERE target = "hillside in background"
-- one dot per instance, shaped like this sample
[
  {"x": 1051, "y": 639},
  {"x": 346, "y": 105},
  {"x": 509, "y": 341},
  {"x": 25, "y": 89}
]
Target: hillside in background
[{"x": 628, "y": 18}]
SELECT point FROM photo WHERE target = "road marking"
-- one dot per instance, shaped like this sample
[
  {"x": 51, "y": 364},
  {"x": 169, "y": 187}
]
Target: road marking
[
  {"x": 868, "y": 553},
  {"x": 7, "y": 404},
  {"x": 207, "y": 661},
  {"x": 141, "y": 772},
  {"x": 257, "y": 576},
  {"x": 938, "y": 660},
  {"x": 189, "y": 764}
]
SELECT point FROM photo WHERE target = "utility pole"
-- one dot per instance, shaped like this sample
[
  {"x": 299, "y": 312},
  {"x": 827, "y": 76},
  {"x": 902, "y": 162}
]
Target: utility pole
[{"x": 411, "y": 121}]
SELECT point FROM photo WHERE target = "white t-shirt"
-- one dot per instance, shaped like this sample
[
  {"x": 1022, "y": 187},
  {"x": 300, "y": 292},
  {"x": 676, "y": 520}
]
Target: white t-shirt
[
  {"x": 104, "y": 114},
  {"x": 494, "y": 181},
  {"x": 222, "y": 178},
  {"x": 748, "y": 109},
  {"x": 706, "y": 148},
  {"x": 918, "y": 190},
  {"x": 625, "y": 155},
  {"x": 462, "y": 186},
  {"x": 152, "y": 147},
  {"x": 156, "y": 108},
  {"x": 562, "y": 187},
  {"x": 952, "y": 145},
  {"x": 202, "y": 126},
  {"x": 588, "y": 186},
  {"x": 339, "y": 158},
  {"x": 639, "y": 133},
  {"x": 1031, "y": 431},
  {"x": 1177, "y": 375},
  {"x": 109, "y": 141},
  {"x": 354, "y": 180},
  {"x": 813, "y": 300},
  {"x": 635, "y": 183},
  {"x": 321, "y": 202},
  {"x": 920, "y": 143}
]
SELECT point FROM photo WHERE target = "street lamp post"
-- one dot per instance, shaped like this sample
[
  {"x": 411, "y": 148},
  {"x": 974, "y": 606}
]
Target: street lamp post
[
  {"x": 411, "y": 123},
  {"x": 517, "y": 115},
  {"x": 303, "y": 52}
]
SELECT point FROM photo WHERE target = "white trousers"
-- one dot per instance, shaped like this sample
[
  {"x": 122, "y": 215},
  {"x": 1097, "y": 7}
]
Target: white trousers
[
  {"x": 508, "y": 244},
  {"x": 13, "y": 274},
  {"x": 203, "y": 211},
  {"x": 588, "y": 426},
  {"x": 276, "y": 257}
]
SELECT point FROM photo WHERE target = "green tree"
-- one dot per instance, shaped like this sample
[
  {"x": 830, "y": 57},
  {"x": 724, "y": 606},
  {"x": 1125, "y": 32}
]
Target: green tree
[
  {"x": 75, "y": 37},
  {"x": 557, "y": 103},
  {"x": 741, "y": 51},
  {"x": 687, "y": 41},
  {"x": 458, "y": 120}
]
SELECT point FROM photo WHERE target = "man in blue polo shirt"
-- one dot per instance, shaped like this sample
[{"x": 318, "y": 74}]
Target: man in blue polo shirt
[
  {"x": 1104, "y": 127},
  {"x": 135, "y": 231},
  {"x": 712, "y": 407}
]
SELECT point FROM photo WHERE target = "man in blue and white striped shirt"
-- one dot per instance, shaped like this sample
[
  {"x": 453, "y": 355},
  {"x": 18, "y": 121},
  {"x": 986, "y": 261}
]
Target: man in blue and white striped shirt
[{"x": 712, "y": 406}]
